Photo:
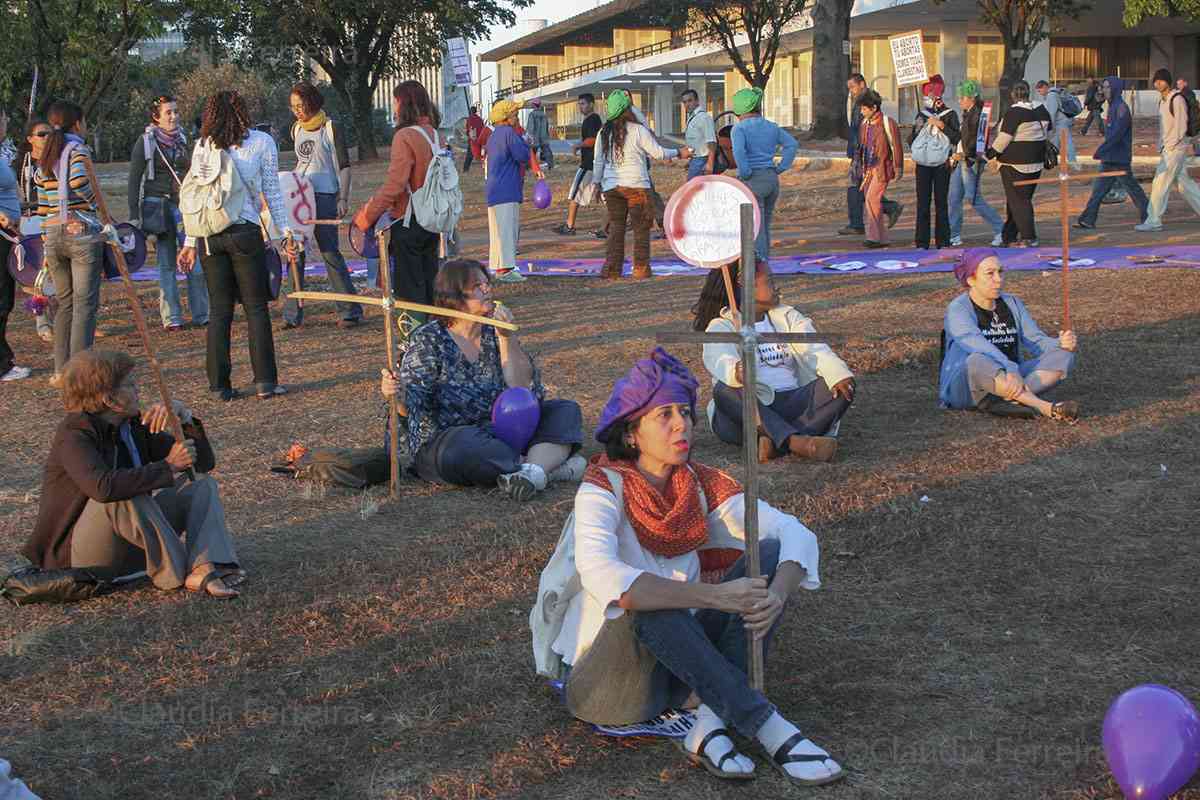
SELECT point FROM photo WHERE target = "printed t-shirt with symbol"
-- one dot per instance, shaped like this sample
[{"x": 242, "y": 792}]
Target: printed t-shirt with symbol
[
  {"x": 999, "y": 327},
  {"x": 774, "y": 361}
]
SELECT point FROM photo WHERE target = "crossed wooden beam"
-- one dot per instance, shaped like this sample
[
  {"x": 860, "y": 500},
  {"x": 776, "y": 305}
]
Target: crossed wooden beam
[{"x": 390, "y": 304}]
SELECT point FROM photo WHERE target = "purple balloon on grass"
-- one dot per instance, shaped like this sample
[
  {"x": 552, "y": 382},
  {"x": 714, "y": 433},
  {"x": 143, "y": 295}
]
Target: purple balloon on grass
[
  {"x": 542, "y": 194},
  {"x": 1151, "y": 739},
  {"x": 515, "y": 416}
]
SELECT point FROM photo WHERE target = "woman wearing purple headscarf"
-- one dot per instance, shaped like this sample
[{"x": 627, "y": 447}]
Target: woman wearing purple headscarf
[
  {"x": 645, "y": 603},
  {"x": 995, "y": 357}
]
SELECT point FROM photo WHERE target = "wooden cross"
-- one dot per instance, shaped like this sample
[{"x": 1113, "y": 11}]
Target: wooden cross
[
  {"x": 1065, "y": 176},
  {"x": 135, "y": 304},
  {"x": 749, "y": 339},
  {"x": 389, "y": 304}
]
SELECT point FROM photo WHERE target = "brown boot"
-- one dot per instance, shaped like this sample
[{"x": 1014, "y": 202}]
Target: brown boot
[
  {"x": 610, "y": 274},
  {"x": 813, "y": 448},
  {"x": 642, "y": 272},
  {"x": 766, "y": 449}
]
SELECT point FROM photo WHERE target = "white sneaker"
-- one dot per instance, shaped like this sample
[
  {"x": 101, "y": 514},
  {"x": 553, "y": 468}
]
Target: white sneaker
[
  {"x": 998, "y": 240},
  {"x": 570, "y": 470},
  {"x": 956, "y": 241},
  {"x": 1146, "y": 227},
  {"x": 523, "y": 484},
  {"x": 510, "y": 276},
  {"x": 16, "y": 374}
]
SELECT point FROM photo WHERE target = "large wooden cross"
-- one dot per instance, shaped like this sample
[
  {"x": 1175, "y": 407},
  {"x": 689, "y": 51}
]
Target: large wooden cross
[
  {"x": 389, "y": 304},
  {"x": 749, "y": 339},
  {"x": 1064, "y": 177}
]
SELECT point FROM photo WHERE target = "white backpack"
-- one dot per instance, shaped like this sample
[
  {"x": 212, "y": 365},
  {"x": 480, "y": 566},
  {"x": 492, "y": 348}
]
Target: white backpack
[
  {"x": 931, "y": 148},
  {"x": 438, "y": 204},
  {"x": 213, "y": 193}
]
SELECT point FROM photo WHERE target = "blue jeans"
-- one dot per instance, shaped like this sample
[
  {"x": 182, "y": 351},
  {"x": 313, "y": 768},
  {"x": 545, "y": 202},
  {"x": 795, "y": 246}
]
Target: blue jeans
[
  {"x": 1101, "y": 187},
  {"x": 677, "y": 652},
  {"x": 335, "y": 266},
  {"x": 75, "y": 264},
  {"x": 167, "y": 247},
  {"x": 764, "y": 183},
  {"x": 964, "y": 187},
  {"x": 696, "y": 166}
]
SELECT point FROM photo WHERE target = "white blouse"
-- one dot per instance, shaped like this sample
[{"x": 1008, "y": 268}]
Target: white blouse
[{"x": 609, "y": 558}]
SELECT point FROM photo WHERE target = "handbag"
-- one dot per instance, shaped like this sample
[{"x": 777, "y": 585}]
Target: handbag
[
  {"x": 154, "y": 216},
  {"x": 33, "y": 585},
  {"x": 1050, "y": 160}
]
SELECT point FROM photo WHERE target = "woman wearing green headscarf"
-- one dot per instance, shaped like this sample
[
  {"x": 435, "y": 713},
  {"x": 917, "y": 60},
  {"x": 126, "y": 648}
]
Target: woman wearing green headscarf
[
  {"x": 967, "y": 170},
  {"x": 755, "y": 141},
  {"x": 621, "y": 169}
]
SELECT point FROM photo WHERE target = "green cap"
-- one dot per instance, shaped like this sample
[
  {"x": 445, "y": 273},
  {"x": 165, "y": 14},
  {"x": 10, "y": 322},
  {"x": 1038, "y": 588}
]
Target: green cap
[
  {"x": 746, "y": 101},
  {"x": 618, "y": 102},
  {"x": 968, "y": 88}
]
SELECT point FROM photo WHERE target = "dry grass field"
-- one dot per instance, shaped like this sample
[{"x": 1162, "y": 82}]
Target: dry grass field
[{"x": 989, "y": 586}]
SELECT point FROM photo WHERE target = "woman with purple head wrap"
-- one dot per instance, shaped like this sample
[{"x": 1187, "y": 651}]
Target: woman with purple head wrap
[
  {"x": 645, "y": 602},
  {"x": 995, "y": 357}
]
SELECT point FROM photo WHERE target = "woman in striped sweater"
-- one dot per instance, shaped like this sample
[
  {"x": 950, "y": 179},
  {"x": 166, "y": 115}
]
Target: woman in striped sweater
[
  {"x": 1020, "y": 152},
  {"x": 73, "y": 242}
]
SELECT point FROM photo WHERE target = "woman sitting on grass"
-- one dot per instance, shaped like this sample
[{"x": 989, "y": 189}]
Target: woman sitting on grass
[
  {"x": 452, "y": 373},
  {"x": 803, "y": 389},
  {"x": 643, "y": 633},
  {"x": 109, "y": 500},
  {"x": 985, "y": 331}
]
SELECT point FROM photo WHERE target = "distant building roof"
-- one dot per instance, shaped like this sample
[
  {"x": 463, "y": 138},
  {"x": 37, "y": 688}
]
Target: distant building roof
[{"x": 559, "y": 29}]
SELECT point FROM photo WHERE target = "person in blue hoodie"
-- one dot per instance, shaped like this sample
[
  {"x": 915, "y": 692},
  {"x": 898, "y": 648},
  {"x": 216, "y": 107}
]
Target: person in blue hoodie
[{"x": 1116, "y": 153}]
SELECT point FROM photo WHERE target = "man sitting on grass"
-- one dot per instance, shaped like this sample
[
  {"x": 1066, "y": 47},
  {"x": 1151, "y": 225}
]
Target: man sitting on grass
[
  {"x": 109, "y": 499},
  {"x": 985, "y": 332}
]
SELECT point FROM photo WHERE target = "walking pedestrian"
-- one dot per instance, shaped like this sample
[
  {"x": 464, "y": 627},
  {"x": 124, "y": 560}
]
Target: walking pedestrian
[
  {"x": 583, "y": 190},
  {"x": 878, "y": 161},
  {"x": 934, "y": 137},
  {"x": 700, "y": 133},
  {"x": 1052, "y": 99},
  {"x": 474, "y": 128},
  {"x": 1019, "y": 153},
  {"x": 966, "y": 171},
  {"x": 1093, "y": 104},
  {"x": 537, "y": 128},
  {"x": 1174, "y": 147},
  {"x": 1116, "y": 153}
]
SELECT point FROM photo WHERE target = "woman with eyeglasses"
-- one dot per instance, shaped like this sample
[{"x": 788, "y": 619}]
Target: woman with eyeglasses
[
  {"x": 157, "y": 165},
  {"x": 71, "y": 230},
  {"x": 451, "y": 375}
]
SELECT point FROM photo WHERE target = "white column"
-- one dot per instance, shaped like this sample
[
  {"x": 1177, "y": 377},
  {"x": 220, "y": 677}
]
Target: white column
[
  {"x": 954, "y": 56},
  {"x": 1037, "y": 67}
]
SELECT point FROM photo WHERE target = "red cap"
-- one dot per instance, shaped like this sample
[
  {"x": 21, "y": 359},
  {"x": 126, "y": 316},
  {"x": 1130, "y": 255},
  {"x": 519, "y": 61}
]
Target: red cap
[{"x": 934, "y": 86}]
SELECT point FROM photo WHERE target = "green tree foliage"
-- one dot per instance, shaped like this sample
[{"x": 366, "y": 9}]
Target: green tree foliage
[
  {"x": 1138, "y": 10},
  {"x": 355, "y": 43}
]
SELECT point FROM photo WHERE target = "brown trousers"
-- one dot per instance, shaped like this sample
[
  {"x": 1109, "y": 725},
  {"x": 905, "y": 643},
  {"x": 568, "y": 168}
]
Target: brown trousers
[{"x": 636, "y": 205}]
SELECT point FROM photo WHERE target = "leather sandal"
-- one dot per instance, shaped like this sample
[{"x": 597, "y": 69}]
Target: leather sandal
[
  {"x": 701, "y": 758},
  {"x": 1066, "y": 411},
  {"x": 784, "y": 756},
  {"x": 766, "y": 449}
]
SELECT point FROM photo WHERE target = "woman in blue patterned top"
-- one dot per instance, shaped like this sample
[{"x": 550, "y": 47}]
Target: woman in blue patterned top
[{"x": 452, "y": 373}]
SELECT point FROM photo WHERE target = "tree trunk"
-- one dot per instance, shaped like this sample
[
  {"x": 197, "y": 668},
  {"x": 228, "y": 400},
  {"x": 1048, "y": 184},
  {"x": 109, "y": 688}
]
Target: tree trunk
[
  {"x": 1014, "y": 70},
  {"x": 830, "y": 67},
  {"x": 363, "y": 108}
]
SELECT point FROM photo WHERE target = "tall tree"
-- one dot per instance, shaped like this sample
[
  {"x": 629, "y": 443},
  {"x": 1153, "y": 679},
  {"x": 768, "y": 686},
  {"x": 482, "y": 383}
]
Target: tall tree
[
  {"x": 830, "y": 67},
  {"x": 749, "y": 31},
  {"x": 356, "y": 43},
  {"x": 1024, "y": 24}
]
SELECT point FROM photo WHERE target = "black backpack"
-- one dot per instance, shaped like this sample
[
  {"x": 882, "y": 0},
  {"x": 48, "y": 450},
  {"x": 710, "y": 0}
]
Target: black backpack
[
  {"x": 1193, "y": 110},
  {"x": 34, "y": 585}
]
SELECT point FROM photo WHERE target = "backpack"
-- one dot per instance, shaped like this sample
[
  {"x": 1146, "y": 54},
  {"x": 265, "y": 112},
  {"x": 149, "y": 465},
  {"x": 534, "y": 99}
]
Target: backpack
[
  {"x": 438, "y": 204},
  {"x": 1068, "y": 104},
  {"x": 931, "y": 148},
  {"x": 1193, "y": 110},
  {"x": 213, "y": 194},
  {"x": 34, "y": 585}
]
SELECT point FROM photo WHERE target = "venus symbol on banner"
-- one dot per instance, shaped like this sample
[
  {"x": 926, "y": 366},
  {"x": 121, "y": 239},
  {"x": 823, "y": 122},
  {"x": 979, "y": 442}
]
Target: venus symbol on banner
[{"x": 300, "y": 202}]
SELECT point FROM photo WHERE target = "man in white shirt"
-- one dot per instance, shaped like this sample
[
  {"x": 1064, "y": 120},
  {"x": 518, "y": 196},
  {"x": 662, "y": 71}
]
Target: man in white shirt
[
  {"x": 1175, "y": 148},
  {"x": 701, "y": 135}
]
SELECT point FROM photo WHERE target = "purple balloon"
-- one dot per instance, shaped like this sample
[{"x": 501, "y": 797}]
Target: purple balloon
[
  {"x": 542, "y": 194},
  {"x": 515, "y": 416},
  {"x": 1151, "y": 739}
]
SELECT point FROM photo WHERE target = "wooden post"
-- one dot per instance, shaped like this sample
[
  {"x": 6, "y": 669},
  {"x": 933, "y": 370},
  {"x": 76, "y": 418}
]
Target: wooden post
[
  {"x": 135, "y": 305},
  {"x": 389, "y": 327},
  {"x": 750, "y": 425},
  {"x": 1063, "y": 178},
  {"x": 733, "y": 306}
]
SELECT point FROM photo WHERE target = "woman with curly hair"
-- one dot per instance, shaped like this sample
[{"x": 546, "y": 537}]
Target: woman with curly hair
[{"x": 235, "y": 260}]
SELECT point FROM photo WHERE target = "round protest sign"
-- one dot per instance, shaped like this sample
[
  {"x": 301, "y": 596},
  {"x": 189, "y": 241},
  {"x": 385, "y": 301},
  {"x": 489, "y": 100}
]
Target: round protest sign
[{"x": 702, "y": 220}]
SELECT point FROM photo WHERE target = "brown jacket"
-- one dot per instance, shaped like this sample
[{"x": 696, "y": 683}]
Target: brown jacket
[
  {"x": 409, "y": 161},
  {"x": 86, "y": 462},
  {"x": 892, "y": 158}
]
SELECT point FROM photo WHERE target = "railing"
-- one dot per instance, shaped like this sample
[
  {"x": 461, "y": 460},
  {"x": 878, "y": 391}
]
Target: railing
[{"x": 675, "y": 42}]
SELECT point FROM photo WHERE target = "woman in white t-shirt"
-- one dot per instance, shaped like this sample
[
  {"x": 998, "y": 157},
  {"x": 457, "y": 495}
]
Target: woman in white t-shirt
[
  {"x": 803, "y": 389},
  {"x": 658, "y": 605}
]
